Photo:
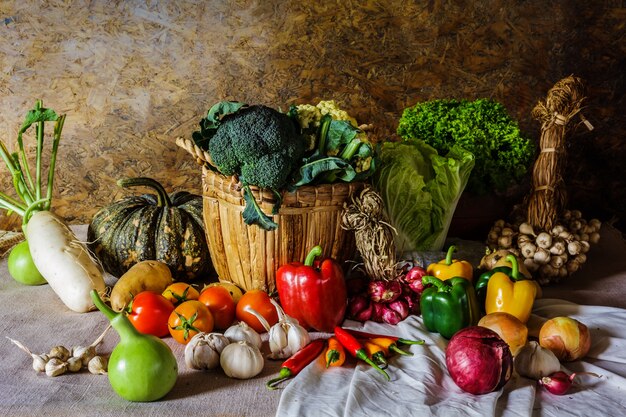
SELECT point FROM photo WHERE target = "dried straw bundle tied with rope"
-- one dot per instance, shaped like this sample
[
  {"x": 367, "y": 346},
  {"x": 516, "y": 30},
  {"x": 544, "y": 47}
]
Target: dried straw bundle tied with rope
[
  {"x": 373, "y": 234},
  {"x": 548, "y": 198}
]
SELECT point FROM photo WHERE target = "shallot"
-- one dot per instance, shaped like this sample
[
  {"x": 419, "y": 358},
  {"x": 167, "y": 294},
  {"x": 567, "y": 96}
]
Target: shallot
[
  {"x": 413, "y": 279},
  {"x": 360, "y": 308},
  {"x": 559, "y": 382},
  {"x": 384, "y": 291}
]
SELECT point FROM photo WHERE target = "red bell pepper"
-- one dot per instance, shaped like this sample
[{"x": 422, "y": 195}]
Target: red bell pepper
[{"x": 314, "y": 295}]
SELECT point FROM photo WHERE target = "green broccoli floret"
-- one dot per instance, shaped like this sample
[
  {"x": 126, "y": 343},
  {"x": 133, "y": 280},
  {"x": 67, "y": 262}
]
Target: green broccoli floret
[
  {"x": 260, "y": 145},
  {"x": 269, "y": 171}
]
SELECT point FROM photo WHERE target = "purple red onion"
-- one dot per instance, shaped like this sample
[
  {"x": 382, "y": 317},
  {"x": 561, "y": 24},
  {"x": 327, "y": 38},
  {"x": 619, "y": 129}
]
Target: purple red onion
[{"x": 478, "y": 360}]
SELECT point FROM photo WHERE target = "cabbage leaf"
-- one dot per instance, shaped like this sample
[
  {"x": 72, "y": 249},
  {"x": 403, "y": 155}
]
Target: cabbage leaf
[{"x": 420, "y": 190}]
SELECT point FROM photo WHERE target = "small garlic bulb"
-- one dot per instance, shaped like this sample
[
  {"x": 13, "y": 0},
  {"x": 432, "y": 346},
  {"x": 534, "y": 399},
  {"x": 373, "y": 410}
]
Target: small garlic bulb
[
  {"x": 39, "y": 362},
  {"x": 287, "y": 336},
  {"x": 204, "y": 349},
  {"x": 74, "y": 364},
  {"x": 55, "y": 367},
  {"x": 84, "y": 353},
  {"x": 544, "y": 240},
  {"x": 242, "y": 332},
  {"x": 241, "y": 360},
  {"x": 59, "y": 352},
  {"x": 97, "y": 365}
]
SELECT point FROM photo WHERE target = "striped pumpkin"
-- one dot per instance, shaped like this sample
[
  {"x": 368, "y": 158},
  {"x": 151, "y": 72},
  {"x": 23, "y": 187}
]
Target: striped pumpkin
[{"x": 162, "y": 227}]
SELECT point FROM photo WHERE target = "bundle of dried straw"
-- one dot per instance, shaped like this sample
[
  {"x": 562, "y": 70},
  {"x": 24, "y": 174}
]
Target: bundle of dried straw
[{"x": 548, "y": 197}]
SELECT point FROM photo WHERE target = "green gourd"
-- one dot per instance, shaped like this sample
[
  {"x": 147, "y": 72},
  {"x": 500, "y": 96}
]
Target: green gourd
[
  {"x": 141, "y": 367},
  {"x": 161, "y": 227}
]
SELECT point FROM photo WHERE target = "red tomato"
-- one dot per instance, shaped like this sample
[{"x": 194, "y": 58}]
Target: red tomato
[
  {"x": 188, "y": 319},
  {"x": 149, "y": 312},
  {"x": 259, "y": 301},
  {"x": 179, "y": 292},
  {"x": 221, "y": 304}
]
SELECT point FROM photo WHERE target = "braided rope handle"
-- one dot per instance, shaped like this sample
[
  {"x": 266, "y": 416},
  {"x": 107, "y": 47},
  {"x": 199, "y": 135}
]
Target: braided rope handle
[
  {"x": 8, "y": 239},
  {"x": 202, "y": 157}
]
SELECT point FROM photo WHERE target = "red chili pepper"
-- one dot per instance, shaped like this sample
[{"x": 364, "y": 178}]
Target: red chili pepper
[
  {"x": 397, "y": 339},
  {"x": 297, "y": 362},
  {"x": 314, "y": 293},
  {"x": 355, "y": 348}
]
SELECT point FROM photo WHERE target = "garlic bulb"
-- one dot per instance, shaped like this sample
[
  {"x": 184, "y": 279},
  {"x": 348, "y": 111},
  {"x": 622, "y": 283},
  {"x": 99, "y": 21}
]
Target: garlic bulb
[
  {"x": 59, "y": 352},
  {"x": 241, "y": 360},
  {"x": 287, "y": 336},
  {"x": 534, "y": 361},
  {"x": 84, "y": 353},
  {"x": 242, "y": 332},
  {"x": 98, "y": 365},
  {"x": 74, "y": 364},
  {"x": 203, "y": 350},
  {"x": 55, "y": 367}
]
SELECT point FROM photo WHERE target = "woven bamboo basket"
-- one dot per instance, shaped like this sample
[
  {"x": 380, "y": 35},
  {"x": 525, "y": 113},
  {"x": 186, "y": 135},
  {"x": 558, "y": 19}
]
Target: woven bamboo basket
[{"x": 249, "y": 256}]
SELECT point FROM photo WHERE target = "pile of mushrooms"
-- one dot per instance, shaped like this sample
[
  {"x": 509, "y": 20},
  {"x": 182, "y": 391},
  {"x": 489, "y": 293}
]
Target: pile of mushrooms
[{"x": 549, "y": 254}]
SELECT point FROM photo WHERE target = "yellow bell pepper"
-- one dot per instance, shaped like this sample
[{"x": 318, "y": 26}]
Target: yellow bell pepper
[
  {"x": 511, "y": 293},
  {"x": 450, "y": 268}
]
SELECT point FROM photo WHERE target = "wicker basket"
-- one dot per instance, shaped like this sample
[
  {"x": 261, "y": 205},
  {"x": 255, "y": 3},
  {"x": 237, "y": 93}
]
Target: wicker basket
[{"x": 249, "y": 256}]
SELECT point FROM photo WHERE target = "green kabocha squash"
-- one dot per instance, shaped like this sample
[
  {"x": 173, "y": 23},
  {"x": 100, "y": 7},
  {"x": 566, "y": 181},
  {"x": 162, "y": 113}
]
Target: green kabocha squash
[{"x": 161, "y": 227}]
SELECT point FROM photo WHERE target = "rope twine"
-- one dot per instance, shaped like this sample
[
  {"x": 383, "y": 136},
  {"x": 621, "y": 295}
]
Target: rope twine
[{"x": 373, "y": 234}]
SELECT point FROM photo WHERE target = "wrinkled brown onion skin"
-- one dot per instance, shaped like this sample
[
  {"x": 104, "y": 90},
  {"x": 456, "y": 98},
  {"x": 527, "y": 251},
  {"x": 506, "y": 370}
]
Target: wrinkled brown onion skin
[
  {"x": 478, "y": 360},
  {"x": 566, "y": 337}
]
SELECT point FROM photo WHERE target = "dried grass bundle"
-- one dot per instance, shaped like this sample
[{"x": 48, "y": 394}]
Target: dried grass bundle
[
  {"x": 373, "y": 234},
  {"x": 548, "y": 197}
]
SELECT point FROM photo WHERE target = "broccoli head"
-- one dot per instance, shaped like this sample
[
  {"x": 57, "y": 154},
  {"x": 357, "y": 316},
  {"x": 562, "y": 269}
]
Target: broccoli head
[{"x": 259, "y": 144}]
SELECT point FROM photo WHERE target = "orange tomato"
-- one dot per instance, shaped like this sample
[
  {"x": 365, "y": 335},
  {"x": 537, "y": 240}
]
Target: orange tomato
[
  {"x": 179, "y": 292},
  {"x": 221, "y": 304},
  {"x": 259, "y": 301},
  {"x": 188, "y": 319}
]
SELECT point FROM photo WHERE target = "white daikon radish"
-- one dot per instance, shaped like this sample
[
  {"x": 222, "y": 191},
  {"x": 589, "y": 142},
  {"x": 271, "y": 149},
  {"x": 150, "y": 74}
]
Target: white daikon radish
[{"x": 63, "y": 261}]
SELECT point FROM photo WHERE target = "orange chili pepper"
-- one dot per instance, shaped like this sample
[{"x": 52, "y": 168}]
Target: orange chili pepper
[
  {"x": 388, "y": 344},
  {"x": 376, "y": 353},
  {"x": 335, "y": 353}
]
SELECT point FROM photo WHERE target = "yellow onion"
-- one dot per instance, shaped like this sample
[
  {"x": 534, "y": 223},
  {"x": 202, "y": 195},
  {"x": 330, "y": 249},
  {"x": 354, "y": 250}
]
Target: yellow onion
[
  {"x": 508, "y": 327},
  {"x": 566, "y": 337}
]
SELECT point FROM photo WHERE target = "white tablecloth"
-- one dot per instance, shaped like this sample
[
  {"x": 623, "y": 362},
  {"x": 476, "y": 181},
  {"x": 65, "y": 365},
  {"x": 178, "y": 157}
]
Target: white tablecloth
[{"x": 421, "y": 386}]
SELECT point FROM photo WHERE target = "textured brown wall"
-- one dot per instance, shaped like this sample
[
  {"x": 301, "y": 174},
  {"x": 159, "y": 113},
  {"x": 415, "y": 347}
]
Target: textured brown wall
[{"x": 131, "y": 76}]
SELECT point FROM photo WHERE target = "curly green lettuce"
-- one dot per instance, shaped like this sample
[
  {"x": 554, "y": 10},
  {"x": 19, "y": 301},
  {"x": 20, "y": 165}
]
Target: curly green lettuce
[{"x": 483, "y": 127}]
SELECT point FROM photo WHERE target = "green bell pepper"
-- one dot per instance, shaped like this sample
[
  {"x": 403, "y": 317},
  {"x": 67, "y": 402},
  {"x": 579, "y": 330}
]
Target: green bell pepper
[{"x": 448, "y": 306}]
